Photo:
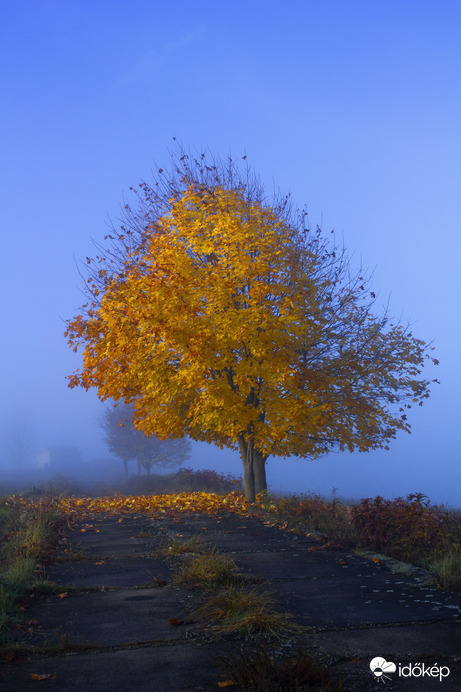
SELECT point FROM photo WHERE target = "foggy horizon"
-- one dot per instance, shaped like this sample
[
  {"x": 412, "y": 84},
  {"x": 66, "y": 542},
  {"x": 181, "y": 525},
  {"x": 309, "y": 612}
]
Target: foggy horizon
[{"x": 353, "y": 109}]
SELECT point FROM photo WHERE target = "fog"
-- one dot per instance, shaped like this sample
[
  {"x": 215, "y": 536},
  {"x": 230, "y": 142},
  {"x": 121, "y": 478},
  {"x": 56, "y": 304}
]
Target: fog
[{"x": 354, "y": 108}]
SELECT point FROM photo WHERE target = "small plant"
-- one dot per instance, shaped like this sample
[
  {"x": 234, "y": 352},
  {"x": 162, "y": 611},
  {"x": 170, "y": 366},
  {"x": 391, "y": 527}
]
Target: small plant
[
  {"x": 17, "y": 576},
  {"x": 244, "y": 612},
  {"x": 190, "y": 545},
  {"x": 260, "y": 671},
  {"x": 208, "y": 570},
  {"x": 45, "y": 588},
  {"x": 72, "y": 556},
  {"x": 27, "y": 532},
  {"x": 447, "y": 571}
]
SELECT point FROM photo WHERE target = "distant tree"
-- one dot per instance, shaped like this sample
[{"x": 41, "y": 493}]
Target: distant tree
[
  {"x": 222, "y": 316},
  {"x": 128, "y": 443},
  {"x": 19, "y": 439}
]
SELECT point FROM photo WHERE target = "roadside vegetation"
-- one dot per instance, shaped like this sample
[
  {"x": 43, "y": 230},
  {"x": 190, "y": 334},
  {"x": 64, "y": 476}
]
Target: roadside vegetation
[
  {"x": 185, "y": 480},
  {"x": 408, "y": 529},
  {"x": 28, "y": 531},
  {"x": 229, "y": 603}
]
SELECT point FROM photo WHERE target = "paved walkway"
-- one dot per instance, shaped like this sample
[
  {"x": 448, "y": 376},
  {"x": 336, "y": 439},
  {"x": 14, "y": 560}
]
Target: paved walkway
[{"x": 111, "y": 632}]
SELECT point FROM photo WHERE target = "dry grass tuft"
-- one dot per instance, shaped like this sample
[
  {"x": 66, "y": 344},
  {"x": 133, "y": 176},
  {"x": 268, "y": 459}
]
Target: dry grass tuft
[
  {"x": 208, "y": 570},
  {"x": 245, "y": 612}
]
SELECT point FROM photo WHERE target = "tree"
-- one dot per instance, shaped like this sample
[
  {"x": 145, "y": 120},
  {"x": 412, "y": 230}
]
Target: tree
[
  {"x": 127, "y": 442},
  {"x": 19, "y": 438},
  {"x": 222, "y": 316}
]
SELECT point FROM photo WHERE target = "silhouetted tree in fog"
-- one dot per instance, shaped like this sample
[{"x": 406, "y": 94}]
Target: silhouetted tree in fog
[{"x": 128, "y": 443}]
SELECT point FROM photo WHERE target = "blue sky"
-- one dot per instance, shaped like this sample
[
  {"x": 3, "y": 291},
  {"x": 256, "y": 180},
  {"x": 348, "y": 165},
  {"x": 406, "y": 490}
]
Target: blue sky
[{"x": 353, "y": 106}]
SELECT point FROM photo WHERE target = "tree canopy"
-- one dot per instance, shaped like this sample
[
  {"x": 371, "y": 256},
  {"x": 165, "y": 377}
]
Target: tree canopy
[{"x": 220, "y": 315}]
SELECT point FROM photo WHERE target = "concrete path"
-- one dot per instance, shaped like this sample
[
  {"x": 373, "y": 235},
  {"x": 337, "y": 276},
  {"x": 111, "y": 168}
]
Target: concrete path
[{"x": 110, "y": 631}]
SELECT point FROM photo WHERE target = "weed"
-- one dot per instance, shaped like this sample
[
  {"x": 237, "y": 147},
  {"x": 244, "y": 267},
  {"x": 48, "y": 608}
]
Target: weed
[
  {"x": 208, "y": 570},
  {"x": 27, "y": 532},
  {"x": 312, "y": 512},
  {"x": 72, "y": 556},
  {"x": 190, "y": 545},
  {"x": 245, "y": 612},
  {"x": 45, "y": 588},
  {"x": 18, "y": 574},
  {"x": 447, "y": 571},
  {"x": 260, "y": 671}
]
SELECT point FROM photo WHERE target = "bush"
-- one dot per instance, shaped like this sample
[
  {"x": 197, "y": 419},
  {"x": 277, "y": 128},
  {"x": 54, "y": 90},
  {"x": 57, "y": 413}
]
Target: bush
[
  {"x": 207, "y": 481},
  {"x": 407, "y": 529}
]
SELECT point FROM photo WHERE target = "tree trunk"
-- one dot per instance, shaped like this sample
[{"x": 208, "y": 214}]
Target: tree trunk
[
  {"x": 259, "y": 468},
  {"x": 125, "y": 468},
  {"x": 247, "y": 456}
]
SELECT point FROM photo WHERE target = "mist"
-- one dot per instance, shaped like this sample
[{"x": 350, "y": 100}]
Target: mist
[{"x": 361, "y": 124}]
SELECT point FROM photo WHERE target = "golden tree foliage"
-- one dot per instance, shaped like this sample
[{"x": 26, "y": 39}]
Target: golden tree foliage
[{"x": 223, "y": 320}]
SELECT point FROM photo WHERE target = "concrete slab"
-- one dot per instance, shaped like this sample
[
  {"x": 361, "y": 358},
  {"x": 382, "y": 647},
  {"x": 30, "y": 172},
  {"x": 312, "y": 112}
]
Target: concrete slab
[
  {"x": 396, "y": 641},
  {"x": 121, "y": 573},
  {"x": 357, "y": 609},
  {"x": 330, "y": 604},
  {"x": 302, "y": 562},
  {"x": 110, "y": 618},
  {"x": 164, "y": 669},
  {"x": 230, "y": 532},
  {"x": 109, "y": 537}
]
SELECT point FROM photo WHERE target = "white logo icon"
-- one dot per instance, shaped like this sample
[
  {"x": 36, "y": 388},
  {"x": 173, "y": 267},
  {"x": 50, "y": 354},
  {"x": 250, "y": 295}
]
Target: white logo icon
[{"x": 379, "y": 667}]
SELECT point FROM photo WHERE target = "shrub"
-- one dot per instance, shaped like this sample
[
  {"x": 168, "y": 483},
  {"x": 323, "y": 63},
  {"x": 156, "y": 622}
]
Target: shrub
[
  {"x": 405, "y": 529},
  {"x": 208, "y": 481}
]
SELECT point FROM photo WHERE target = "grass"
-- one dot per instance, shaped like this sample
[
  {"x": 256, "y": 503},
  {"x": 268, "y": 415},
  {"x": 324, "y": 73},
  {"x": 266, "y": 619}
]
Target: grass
[
  {"x": 210, "y": 570},
  {"x": 259, "y": 670},
  {"x": 230, "y": 607},
  {"x": 244, "y": 611},
  {"x": 298, "y": 513},
  {"x": 447, "y": 571},
  {"x": 188, "y": 546},
  {"x": 27, "y": 533}
]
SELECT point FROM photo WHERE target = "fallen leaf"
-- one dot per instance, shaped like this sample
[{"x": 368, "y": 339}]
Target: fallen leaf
[
  {"x": 8, "y": 655},
  {"x": 45, "y": 676},
  {"x": 176, "y": 622},
  {"x": 100, "y": 563},
  {"x": 159, "y": 582},
  {"x": 227, "y": 683},
  {"x": 63, "y": 595},
  {"x": 341, "y": 562}
]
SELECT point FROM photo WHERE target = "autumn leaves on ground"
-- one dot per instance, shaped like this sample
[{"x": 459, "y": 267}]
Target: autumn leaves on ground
[{"x": 407, "y": 529}]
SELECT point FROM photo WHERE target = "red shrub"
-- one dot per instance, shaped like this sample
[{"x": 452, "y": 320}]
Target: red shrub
[{"x": 405, "y": 529}]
